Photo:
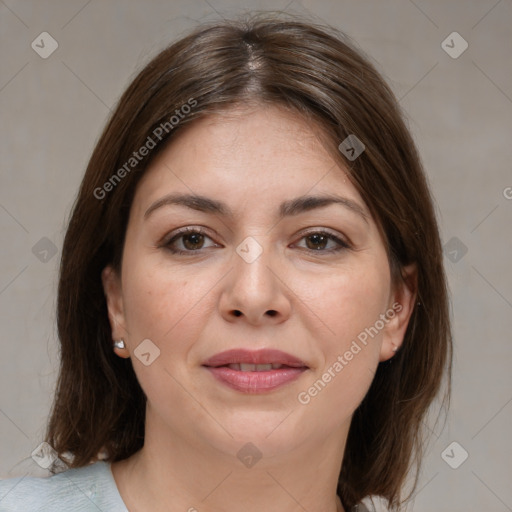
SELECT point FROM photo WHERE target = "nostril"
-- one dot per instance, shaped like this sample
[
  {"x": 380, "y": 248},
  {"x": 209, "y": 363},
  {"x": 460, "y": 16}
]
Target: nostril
[
  {"x": 237, "y": 313},
  {"x": 272, "y": 312}
]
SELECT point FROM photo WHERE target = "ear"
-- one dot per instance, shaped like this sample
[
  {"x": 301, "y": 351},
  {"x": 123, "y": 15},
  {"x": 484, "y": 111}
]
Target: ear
[
  {"x": 401, "y": 305},
  {"x": 114, "y": 296}
]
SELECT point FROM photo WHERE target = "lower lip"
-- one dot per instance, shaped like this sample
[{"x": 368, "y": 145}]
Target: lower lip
[{"x": 255, "y": 382}]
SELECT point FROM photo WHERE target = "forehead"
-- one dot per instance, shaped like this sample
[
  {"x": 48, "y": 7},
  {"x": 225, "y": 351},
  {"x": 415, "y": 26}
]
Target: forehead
[{"x": 246, "y": 154}]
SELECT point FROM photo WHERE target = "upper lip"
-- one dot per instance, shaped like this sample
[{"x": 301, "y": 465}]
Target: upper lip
[{"x": 263, "y": 356}]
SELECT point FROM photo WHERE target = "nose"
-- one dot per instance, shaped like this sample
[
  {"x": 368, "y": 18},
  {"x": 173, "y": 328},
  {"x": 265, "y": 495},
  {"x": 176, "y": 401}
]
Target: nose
[{"x": 255, "y": 291}]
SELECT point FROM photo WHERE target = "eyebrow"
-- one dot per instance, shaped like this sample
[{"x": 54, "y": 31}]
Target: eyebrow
[{"x": 287, "y": 208}]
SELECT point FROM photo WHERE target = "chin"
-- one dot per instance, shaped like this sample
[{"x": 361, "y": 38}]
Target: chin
[{"x": 272, "y": 432}]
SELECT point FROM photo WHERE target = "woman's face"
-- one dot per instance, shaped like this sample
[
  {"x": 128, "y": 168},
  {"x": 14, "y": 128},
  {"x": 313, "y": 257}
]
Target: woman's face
[{"x": 263, "y": 269}]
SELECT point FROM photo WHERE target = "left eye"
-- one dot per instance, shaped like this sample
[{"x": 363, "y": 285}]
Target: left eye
[{"x": 318, "y": 240}]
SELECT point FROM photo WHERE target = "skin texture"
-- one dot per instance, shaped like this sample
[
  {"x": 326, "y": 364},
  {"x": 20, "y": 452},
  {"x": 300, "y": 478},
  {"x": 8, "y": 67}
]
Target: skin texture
[{"x": 252, "y": 160}]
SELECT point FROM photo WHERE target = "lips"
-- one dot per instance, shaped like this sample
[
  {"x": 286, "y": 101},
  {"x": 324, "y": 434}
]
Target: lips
[
  {"x": 255, "y": 372},
  {"x": 254, "y": 357}
]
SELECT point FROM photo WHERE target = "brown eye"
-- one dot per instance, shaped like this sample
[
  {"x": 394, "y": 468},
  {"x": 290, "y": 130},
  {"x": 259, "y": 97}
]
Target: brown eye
[
  {"x": 193, "y": 241},
  {"x": 316, "y": 242},
  {"x": 321, "y": 241},
  {"x": 188, "y": 241}
]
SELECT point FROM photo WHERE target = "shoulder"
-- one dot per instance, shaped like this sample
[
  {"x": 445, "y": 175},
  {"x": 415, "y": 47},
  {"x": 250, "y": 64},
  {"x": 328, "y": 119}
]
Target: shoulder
[{"x": 90, "y": 488}]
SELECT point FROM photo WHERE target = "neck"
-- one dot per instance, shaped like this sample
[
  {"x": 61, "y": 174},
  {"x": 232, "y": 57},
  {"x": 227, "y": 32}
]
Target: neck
[{"x": 185, "y": 474}]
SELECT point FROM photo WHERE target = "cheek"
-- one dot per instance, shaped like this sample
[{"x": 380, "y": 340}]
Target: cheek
[
  {"x": 351, "y": 301},
  {"x": 351, "y": 309},
  {"x": 165, "y": 306},
  {"x": 160, "y": 301}
]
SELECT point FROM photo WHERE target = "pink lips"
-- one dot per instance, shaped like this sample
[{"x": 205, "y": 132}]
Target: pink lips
[{"x": 256, "y": 371}]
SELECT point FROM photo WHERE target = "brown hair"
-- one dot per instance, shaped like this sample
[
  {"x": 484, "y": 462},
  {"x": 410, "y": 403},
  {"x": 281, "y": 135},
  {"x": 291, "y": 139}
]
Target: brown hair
[{"x": 315, "y": 71}]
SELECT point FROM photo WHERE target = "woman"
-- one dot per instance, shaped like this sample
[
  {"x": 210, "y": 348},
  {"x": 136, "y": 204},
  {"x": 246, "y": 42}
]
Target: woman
[{"x": 252, "y": 305}]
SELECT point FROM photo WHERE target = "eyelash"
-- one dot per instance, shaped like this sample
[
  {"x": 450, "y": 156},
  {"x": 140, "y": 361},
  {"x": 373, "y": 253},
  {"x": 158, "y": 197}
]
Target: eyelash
[{"x": 342, "y": 245}]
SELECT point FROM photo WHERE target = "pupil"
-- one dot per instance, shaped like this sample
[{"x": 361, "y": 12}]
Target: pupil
[
  {"x": 196, "y": 240},
  {"x": 317, "y": 239}
]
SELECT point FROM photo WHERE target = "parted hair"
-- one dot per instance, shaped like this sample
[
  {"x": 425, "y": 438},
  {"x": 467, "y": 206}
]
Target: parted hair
[{"x": 317, "y": 72}]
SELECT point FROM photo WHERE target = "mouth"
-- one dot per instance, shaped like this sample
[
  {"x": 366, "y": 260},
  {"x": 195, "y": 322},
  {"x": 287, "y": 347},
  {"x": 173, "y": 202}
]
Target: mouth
[
  {"x": 248, "y": 367},
  {"x": 255, "y": 372}
]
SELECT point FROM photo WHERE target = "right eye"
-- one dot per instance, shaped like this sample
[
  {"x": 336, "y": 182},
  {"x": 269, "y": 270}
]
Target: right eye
[{"x": 191, "y": 240}]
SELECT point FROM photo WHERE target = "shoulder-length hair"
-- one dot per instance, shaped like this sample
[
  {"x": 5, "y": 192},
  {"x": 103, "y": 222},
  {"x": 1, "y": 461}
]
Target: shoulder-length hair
[{"x": 99, "y": 407}]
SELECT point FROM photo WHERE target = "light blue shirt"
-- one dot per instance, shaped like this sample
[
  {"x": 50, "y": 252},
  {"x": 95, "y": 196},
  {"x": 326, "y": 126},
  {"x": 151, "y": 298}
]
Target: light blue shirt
[{"x": 88, "y": 489}]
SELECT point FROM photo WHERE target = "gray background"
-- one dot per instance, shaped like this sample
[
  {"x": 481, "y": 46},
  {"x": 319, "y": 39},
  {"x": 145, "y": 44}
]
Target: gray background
[{"x": 460, "y": 113}]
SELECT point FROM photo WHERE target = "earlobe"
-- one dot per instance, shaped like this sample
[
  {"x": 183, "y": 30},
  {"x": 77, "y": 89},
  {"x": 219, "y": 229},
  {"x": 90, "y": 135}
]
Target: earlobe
[{"x": 402, "y": 304}]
